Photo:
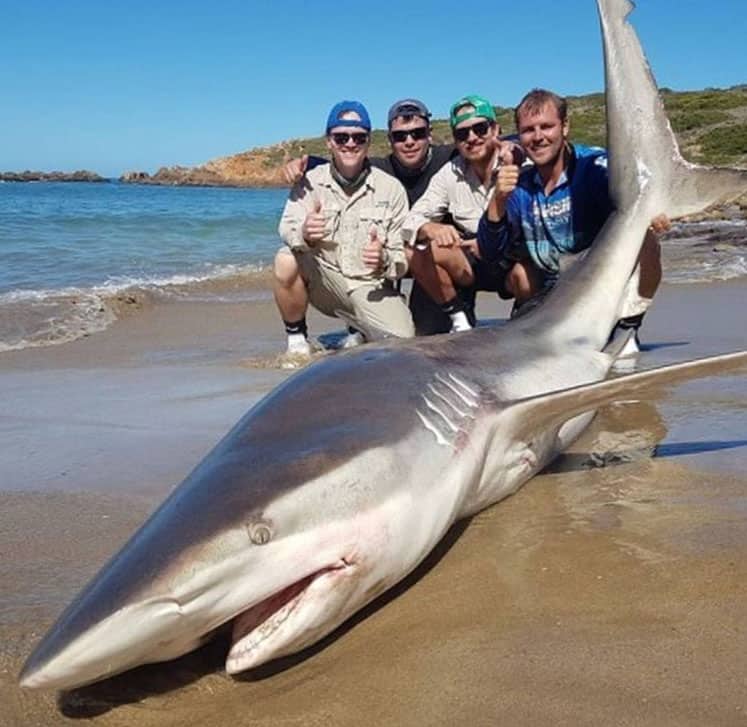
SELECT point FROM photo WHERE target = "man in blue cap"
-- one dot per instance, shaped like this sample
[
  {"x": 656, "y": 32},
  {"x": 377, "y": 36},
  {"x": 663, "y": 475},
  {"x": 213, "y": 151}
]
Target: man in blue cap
[{"x": 342, "y": 228}]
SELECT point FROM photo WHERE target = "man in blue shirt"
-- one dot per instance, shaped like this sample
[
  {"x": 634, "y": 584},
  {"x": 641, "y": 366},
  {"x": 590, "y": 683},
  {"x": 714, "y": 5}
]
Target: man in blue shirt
[{"x": 554, "y": 208}]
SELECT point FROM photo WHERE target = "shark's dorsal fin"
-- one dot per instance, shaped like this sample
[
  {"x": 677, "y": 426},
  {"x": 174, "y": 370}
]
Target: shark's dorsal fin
[
  {"x": 641, "y": 141},
  {"x": 557, "y": 407}
]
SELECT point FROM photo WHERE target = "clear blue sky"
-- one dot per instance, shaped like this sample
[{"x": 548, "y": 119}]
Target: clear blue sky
[{"x": 113, "y": 86}]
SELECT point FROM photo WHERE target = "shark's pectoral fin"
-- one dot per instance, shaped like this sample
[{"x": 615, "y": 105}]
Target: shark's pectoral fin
[{"x": 557, "y": 407}]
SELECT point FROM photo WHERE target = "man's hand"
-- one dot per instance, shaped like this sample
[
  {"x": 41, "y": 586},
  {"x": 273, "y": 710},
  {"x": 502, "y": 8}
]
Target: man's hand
[
  {"x": 511, "y": 153},
  {"x": 373, "y": 252},
  {"x": 506, "y": 181},
  {"x": 441, "y": 235},
  {"x": 470, "y": 245},
  {"x": 313, "y": 228},
  {"x": 660, "y": 224},
  {"x": 294, "y": 170}
]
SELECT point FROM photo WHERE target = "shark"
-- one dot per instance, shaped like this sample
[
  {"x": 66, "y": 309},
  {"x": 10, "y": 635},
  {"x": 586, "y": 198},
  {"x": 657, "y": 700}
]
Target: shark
[{"x": 342, "y": 480}]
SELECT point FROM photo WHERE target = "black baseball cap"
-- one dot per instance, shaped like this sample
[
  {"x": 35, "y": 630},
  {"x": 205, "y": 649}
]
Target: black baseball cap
[{"x": 408, "y": 107}]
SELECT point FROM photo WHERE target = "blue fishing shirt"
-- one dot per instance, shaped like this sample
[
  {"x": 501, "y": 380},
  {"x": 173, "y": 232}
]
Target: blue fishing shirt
[{"x": 544, "y": 227}]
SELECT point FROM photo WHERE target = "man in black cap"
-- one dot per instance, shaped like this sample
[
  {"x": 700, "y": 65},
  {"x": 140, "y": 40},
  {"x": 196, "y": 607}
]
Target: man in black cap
[{"x": 414, "y": 160}]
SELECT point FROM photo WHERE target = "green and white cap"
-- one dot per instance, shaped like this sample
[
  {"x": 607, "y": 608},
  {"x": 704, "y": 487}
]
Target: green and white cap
[{"x": 481, "y": 108}]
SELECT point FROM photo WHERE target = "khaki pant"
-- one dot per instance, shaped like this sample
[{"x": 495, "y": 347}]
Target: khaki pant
[{"x": 372, "y": 306}]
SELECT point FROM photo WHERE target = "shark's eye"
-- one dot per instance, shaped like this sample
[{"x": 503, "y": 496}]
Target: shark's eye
[{"x": 260, "y": 532}]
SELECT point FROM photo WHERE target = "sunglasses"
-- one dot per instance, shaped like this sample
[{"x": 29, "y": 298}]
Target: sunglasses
[
  {"x": 480, "y": 129},
  {"x": 418, "y": 134},
  {"x": 341, "y": 138}
]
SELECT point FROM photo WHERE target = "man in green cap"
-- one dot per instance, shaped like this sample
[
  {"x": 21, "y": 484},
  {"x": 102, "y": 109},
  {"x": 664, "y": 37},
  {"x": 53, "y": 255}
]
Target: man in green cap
[{"x": 443, "y": 256}]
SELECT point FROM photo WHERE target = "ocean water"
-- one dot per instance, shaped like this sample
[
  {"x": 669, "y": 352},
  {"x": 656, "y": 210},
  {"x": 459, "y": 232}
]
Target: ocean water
[{"x": 74, "y": 255}]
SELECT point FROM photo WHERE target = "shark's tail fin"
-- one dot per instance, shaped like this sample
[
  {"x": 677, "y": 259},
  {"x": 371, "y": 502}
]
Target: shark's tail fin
[
  {"x": 644, "y": 156},
  {"x": 696, "y": 188},
  {"x": 647, "y": 177}
]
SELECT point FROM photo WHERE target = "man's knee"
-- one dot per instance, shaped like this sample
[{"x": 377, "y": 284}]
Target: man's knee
[
  {"x": 419, "y": 260},
  {"x": 399, "y": 323},
  {"x": 285, "y": 268},
  {"x": 520, "y": 281},
  {"x": 385, "y": 311},
  {"x": 455, "y": 263},
  {"x": 404, "y": 329}
]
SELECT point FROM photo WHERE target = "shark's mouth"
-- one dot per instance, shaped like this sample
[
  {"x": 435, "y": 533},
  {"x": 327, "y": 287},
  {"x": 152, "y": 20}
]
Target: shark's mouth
[{"x": 284, "y": 622}]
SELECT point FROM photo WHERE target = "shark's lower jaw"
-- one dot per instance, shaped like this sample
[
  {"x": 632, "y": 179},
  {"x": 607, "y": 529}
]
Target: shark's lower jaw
[{"x": 279, "y": 625}]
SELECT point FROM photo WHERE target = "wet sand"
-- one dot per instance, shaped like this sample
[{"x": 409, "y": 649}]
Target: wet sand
[{"x": 609, "y": 590}]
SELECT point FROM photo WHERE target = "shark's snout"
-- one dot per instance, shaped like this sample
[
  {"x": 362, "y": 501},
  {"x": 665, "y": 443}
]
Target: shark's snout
[{"x": 63, "y": 660}]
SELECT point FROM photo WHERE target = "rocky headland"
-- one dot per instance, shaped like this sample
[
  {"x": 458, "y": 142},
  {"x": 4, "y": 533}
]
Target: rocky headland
[
  {"x": 711, "y": 127},
  {"x": 254, "y": 168},
  {"x": 82, "y": 175}
]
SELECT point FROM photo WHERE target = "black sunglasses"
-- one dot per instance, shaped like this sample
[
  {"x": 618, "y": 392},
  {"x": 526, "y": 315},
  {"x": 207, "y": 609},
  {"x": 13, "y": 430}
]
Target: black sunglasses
[
  {"x": 418, "y": 134},
  {"x": 480, "y": 129},
  {"x": 341, "y": 138}
]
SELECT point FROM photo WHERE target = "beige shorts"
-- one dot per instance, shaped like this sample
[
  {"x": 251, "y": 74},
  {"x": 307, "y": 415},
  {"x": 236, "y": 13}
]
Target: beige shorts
[{"x": 375, "y": 305}]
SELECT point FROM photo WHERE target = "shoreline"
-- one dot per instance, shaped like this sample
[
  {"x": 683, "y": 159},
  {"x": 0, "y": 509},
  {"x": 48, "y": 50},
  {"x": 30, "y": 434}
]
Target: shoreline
[
  {"x": 608, "y": 590},
  {"x": 693, "y": 253}
]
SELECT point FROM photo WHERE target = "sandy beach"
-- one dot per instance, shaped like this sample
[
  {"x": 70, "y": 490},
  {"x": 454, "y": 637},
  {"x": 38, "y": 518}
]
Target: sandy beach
[{"x": 610, "y": 590}]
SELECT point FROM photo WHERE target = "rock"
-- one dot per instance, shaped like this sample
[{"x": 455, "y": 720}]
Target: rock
[
  {"x": 135, "y": 177},
  {"x": 81, "y": 175}
]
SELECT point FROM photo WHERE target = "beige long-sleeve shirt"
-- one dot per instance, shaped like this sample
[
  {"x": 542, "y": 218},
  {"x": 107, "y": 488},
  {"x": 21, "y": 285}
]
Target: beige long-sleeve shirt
[
  {"x": 455, "y": 189},
  {"x": 380, "y": 202}
]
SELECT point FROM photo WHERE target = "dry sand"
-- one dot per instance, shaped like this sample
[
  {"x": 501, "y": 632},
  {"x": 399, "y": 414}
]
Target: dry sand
[{"x": 609, "y": 590}]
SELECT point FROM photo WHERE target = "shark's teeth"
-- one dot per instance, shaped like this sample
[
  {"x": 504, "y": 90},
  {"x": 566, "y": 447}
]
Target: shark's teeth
[{"x": 260, "y": 622}]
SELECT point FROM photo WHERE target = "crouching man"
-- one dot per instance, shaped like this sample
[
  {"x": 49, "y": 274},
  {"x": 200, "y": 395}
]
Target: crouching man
[
  {"x": 341, "y": 225},
  {"x": 557, "y": 207}
]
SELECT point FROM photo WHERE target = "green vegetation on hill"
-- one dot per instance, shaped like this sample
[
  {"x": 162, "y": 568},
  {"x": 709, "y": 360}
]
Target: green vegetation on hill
[
  {"x": 722, "y": 143},
  {"x": 710, "y": 125}
]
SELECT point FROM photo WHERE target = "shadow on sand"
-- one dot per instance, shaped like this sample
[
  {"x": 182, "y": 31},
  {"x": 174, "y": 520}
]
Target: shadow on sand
[{"x": 594, "y": 460}]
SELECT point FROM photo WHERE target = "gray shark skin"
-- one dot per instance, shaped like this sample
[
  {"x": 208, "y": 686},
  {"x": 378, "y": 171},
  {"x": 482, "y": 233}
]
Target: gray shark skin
[{"x": 341, "y": 481}]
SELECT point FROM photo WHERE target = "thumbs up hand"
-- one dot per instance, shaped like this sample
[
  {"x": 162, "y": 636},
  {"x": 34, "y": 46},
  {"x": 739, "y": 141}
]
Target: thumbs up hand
[
  {"x": 506, "y": 181},
  {"x": 313, "y": 228},
  {"x": 373, "y": 251}
]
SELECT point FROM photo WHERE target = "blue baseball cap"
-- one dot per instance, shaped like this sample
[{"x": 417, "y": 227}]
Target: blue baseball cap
[{"x": 344, "y": 107}]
